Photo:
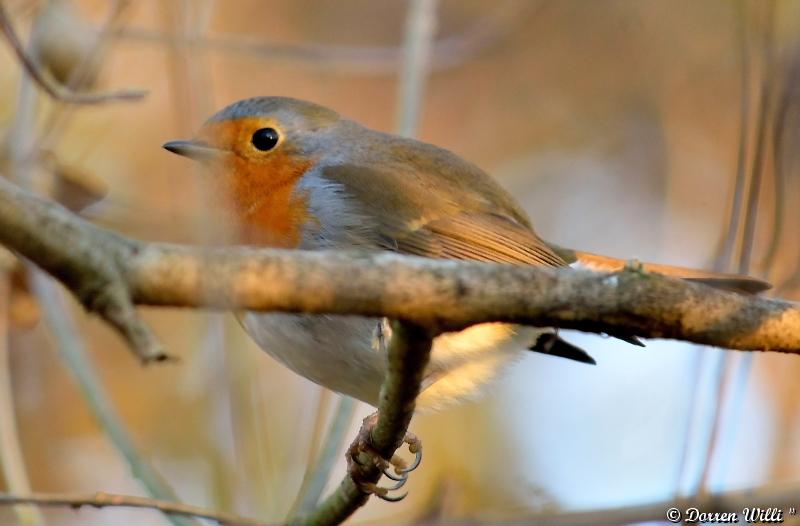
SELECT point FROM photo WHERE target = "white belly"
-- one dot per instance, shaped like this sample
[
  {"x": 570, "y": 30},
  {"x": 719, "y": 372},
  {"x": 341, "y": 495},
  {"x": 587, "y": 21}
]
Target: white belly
[{"x": 337, "y": 352}]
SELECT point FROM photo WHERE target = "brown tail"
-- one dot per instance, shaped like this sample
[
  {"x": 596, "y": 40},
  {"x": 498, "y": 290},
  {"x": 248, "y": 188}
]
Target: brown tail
[{"x": 731, "y": 282}]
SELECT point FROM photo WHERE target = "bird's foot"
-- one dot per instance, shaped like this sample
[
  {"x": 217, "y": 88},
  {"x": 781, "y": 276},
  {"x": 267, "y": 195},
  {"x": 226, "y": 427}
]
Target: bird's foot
[{"x": 361, "y": 453}]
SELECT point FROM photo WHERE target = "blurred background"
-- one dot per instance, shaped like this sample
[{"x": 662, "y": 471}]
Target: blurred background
[{"x": 651, "y": 129}]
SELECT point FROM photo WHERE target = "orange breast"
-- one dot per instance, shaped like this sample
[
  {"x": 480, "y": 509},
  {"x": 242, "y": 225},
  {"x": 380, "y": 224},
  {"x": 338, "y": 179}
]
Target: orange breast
[
  {"x": 265, "y": 205},
  {"x": 259, "y": 189}
]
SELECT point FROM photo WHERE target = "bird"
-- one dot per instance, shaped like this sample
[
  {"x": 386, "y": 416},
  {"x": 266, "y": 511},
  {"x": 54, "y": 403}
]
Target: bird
[{"x": 293, "y": 174}]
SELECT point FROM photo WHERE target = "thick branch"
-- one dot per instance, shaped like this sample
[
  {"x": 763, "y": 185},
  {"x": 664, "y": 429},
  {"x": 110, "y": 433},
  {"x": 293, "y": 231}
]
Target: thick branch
[
  {"x": 107, "y": 271},
  {"x": 452, "y": 295}
]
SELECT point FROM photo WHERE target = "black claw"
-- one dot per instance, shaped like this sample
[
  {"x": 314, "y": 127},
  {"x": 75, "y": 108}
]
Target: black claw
[
  {"x": 388, "y": 498},
  {"x": 389, "y": 468},
  {"x": 400, "y": 484},
  {"x": 397, "y": 478},
  {"x": 412, "y": 467}
]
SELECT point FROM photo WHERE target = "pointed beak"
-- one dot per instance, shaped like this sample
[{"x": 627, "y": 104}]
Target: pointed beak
[{"x": 194, "y": 150}]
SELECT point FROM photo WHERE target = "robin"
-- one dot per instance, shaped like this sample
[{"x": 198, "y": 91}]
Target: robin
[{"x": 295, "y": 174}]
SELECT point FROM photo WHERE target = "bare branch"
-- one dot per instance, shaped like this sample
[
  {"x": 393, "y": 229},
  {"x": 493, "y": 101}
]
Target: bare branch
[
  {"x": 51, "y": 88},
  {"x": 101, "y": 268},
  {"x": 430, "y": 295},
  {"x": 452, "y": 295},
  {"x": 104, "y": 500},
  {"x": 91, "y": 272}
]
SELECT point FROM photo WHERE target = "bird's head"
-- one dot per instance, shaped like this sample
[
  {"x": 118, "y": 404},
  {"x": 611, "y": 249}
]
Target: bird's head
[{"x": 258, "y": 150}]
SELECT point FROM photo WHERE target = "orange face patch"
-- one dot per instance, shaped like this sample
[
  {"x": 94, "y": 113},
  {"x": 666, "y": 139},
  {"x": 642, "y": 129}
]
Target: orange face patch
[{"x": 259, "y": 188}]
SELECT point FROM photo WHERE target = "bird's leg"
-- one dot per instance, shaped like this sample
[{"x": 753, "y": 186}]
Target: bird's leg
[{"x": 361, "y": 453}]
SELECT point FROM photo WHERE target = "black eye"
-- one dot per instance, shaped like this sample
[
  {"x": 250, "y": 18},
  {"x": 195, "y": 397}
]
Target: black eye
[{"x": 265, "y": 139}]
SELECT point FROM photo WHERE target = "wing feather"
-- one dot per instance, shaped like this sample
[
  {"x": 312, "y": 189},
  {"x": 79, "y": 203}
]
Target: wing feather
[{"x": 481, "y": 237}]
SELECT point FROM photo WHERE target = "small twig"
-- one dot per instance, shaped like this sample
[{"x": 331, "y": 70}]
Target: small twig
[
  {"x": 408, "y": 354},
  {"x": 59, "y": 117},
  {"x": 105, "y": 292},
  {"x": 107, "y": 500},
  {"x": 51, "y": 88}
]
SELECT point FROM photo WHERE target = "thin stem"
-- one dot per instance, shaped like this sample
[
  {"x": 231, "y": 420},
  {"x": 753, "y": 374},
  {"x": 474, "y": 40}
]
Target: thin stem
[
  {"x": 320, "y": 472},
  {"x": 58, "y": 119},
  {"x": 73, "y": 352},
  {"x": 316, "y": 439},
  {"x": 783, "y": 152},
  {"x": 723, "y": 259},
  {"x": 174, "y": 510},
  {"x": 54, "y": 90},
  {"x": 11, "y": 456},
  {"x": 726, "y": 252},
  {"x": 762, "y": 143},
  {"x": 748, "y": 238},
  {"x": 420, "y": 30}
]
